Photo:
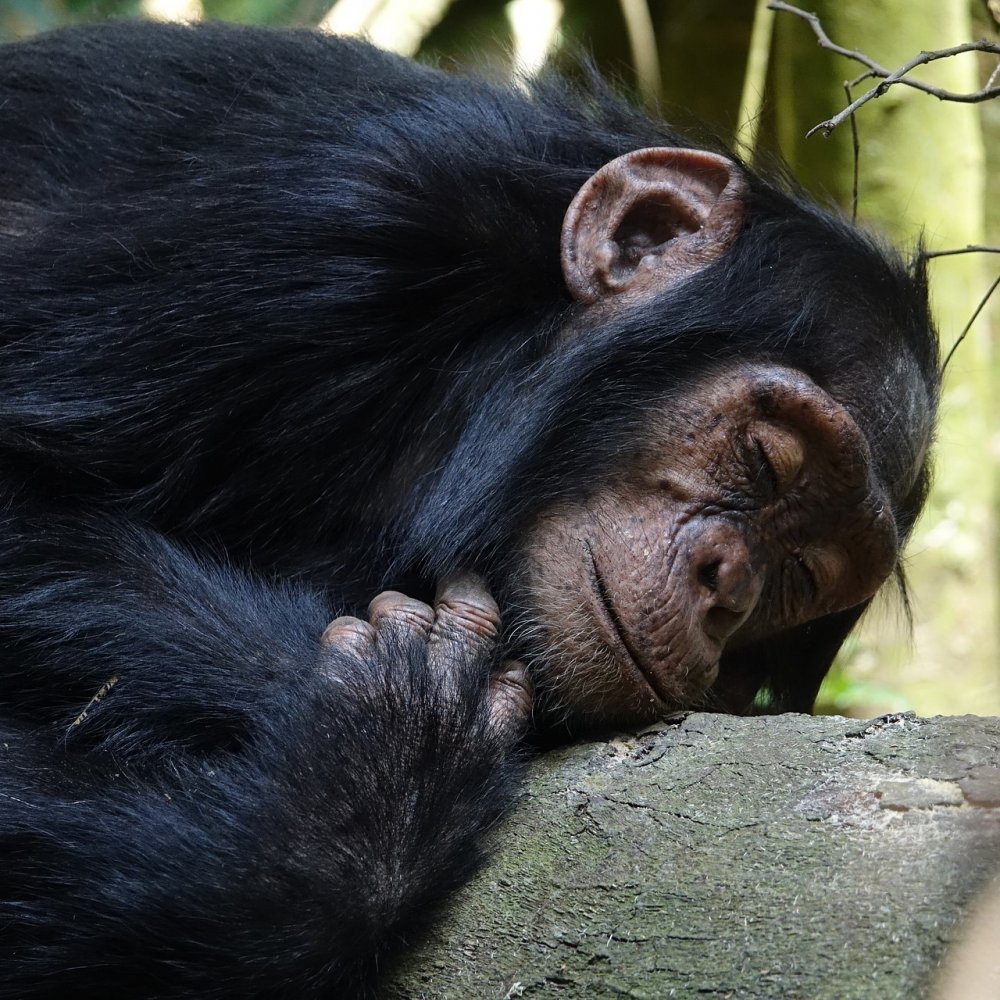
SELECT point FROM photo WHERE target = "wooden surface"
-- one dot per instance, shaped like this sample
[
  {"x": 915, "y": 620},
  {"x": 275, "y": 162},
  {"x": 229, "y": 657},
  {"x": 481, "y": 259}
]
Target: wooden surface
[{"x": 776, "y": 857}]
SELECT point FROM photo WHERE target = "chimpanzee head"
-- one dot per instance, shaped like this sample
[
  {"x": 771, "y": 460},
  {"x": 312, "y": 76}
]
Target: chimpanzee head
[{"x": 726, "y": 444}]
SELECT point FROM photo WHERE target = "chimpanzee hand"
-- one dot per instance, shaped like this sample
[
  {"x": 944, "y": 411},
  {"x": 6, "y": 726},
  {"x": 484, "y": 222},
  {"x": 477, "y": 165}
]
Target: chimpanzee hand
[
  {"x": 399, "y": 763},
  {"x": 459, "y": 632}
]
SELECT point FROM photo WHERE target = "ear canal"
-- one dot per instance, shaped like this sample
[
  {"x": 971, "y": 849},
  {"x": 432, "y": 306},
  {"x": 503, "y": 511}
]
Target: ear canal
[{"x": 648, "y": 219}]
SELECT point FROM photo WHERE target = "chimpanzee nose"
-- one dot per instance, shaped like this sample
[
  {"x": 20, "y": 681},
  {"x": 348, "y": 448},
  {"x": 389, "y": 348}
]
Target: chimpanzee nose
[{"x": 726, "y": 584}]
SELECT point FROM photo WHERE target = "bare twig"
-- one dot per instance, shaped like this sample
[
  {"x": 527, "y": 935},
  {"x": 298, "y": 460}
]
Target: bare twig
[
  {"x": 975, "y": 316},
  {"x": 971, "y": 248},
  {"x": 889, "y": 77},
  {"x": 855, "y": 153}
]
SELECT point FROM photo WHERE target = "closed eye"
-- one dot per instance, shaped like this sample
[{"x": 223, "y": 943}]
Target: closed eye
[{"x": 762, "y": 470}]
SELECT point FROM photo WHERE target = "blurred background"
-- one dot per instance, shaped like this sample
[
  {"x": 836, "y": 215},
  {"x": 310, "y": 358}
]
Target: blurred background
[{"x": 758, "y": 78}]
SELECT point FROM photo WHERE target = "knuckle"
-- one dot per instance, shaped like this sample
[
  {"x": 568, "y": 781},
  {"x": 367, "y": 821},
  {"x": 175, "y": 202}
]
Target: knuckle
[
  {"x": 515, "y": 683},
  {"x": 347, "y": 631},
  {"x": 400, "y": 610},
  {"x": 510, "y": 699},
  {"x": 462, "y": 617}
]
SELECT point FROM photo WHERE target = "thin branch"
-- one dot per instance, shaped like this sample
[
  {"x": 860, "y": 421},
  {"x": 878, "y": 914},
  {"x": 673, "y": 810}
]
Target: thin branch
[
  {"x": 855, "y": 154},
  {"x": 970, "y": 248},
  {"x": 968, "y": 326},
  {"x": 858, "y": 80},
  {"x": 887, "y": 77}
]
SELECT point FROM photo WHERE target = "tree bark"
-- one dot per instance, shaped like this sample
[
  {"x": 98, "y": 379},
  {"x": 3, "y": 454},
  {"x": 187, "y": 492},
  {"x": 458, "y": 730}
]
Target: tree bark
[{"x": 775, "y": 857}]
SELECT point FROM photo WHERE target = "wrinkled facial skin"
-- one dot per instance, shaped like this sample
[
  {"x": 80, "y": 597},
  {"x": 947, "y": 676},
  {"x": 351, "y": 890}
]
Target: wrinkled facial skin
[{"x": 749, "y": 508}]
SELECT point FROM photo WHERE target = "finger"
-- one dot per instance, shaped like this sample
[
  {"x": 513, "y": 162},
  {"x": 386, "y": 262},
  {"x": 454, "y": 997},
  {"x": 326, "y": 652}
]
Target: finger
[
  {"x": 466, "y": 619},
  {"x": 351, "y": 634},
  {"x": 510, "y": 698},
  {"x": 397, "y": 613}
]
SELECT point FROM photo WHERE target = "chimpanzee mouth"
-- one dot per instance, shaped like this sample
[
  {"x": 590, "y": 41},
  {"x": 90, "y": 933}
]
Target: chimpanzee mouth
[{"x": 616, "y": 633}]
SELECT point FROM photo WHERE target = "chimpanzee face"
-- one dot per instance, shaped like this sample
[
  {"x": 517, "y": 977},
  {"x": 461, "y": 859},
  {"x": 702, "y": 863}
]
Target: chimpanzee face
[{"x": 750, "y": 507}]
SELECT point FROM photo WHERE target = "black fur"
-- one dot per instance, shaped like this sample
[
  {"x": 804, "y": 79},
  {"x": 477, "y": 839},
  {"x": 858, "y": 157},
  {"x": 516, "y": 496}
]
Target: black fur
[{"x": 282, "y": 320}]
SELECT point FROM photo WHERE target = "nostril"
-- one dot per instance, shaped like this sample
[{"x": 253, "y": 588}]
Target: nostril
[
  {"x": 725, "y": 583},
  {"x": 708, "y": 574}
]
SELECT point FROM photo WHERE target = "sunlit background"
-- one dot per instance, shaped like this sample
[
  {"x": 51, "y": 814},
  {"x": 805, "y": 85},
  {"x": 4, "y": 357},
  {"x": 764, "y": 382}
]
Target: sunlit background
[{"x": 732, "y": 67}]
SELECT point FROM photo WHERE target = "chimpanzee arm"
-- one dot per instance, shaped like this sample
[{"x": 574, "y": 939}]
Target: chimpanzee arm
[
  {"x": 319, "y": 792},
  {"x": 188, "y": 653}
]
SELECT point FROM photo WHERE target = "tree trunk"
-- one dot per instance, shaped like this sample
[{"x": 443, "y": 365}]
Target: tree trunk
[{"x": 776, "y": 857}]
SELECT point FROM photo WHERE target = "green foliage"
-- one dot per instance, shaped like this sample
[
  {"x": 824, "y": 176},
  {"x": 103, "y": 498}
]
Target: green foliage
[{"x": 843, "y": 694}]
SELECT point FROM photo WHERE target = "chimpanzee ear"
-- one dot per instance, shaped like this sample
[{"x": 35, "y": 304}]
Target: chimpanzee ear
[{"x": 648, "y": 219}]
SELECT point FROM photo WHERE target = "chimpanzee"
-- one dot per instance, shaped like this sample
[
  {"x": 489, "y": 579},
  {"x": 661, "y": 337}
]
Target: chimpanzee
[{"x": 284, "y": 321}]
